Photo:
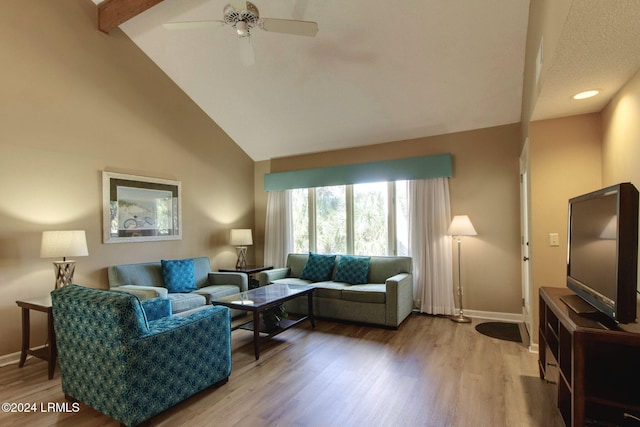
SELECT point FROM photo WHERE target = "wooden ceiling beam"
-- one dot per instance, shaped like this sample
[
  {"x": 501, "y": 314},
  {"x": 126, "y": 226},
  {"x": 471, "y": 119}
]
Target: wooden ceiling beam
[{"x": 112, "y": 13}]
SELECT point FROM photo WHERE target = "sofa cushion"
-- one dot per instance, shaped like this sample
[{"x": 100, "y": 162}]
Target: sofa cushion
[
  {"x": 352, "y": 269},
  {"x": 369, "y": 293},
  {"x": 181, "y": 302},
  {"x": 329, "y": 289},
  {"x": 293, "y": 281},
  {"x": 178, "y": 275},
  {"x": 318, "y": 267},
  {"x": 217, "y": 291}
]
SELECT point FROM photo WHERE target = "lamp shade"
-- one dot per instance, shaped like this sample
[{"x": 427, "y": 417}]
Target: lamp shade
[
  {"x": 63, "y": 244},
  {"x": 461, "y": 226},
  {"x": 241, "y": 237}
]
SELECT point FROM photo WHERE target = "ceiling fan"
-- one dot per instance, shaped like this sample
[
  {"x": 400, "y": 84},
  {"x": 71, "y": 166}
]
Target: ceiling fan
[{"x": 244, "y": 16}]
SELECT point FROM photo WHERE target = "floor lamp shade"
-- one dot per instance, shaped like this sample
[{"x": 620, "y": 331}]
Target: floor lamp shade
[
  {"x": 241, "y": 238},
  {"x": 63, "y": 244},
  {"x": 461, "y": 226}
]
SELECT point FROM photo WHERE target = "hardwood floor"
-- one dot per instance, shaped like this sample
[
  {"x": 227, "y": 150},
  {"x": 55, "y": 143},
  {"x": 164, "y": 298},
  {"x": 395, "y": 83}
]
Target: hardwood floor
[{"x": 430, "y": 372}]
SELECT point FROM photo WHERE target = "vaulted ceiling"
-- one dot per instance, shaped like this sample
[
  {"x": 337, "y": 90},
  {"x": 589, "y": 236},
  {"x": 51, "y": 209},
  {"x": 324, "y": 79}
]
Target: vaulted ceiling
[{"x": 378, "y": 72}]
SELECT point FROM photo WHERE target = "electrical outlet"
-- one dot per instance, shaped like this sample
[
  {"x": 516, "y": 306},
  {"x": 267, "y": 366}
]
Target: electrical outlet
[{"x": 554, "y": 239}]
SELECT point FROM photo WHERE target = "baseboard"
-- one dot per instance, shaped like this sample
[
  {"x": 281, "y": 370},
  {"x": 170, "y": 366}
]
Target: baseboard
[
  {"x": 9, "y": 359},
  {"x": 14, "y": 358},
  {"x": 492, "y": 315}
]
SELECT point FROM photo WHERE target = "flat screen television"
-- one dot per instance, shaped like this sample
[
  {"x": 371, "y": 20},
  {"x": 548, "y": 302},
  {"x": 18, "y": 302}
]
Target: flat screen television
[{"x": 602, "y": 261}]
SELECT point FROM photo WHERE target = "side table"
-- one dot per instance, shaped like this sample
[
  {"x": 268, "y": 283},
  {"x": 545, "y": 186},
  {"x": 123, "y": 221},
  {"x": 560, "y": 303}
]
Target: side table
[
  {"x": 49, "y": 351},
  {"x": 249, "y": 270}
]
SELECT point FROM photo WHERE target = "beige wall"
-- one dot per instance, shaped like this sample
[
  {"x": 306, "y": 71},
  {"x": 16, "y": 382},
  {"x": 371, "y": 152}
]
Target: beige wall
[
  {"x": 621, "y": 137},
  {"x": 620, "y": 146},
  {"x": 76, "y": 102},
  {"x": 565, "y": 157},
  {"x": 485, "y": 186}
]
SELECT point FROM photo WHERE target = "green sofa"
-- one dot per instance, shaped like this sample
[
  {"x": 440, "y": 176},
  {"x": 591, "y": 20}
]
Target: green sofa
[
  {"x": 386, "y": 300},
  {"x": 145, "y": 280}
]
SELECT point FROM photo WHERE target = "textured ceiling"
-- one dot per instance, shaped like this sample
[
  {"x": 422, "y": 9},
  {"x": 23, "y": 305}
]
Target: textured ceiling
[
  {"x": 599, "y": 48},
  {"x": 385, "y": 72}
]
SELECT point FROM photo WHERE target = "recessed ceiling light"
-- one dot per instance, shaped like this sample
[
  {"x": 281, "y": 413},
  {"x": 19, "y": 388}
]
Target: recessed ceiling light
[{"x": 586, "y": 94}]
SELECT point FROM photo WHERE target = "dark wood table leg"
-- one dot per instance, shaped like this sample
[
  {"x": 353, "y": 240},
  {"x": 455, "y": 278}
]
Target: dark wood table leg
[
  {"x": 256, "y": 334},
  {"x": 26, "y": 326},
  {"x": 53, "y": 350},
  {"x": 310, "y": 308}
]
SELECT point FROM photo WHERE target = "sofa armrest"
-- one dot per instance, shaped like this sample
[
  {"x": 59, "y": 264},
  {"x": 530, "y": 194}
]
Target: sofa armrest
[
  {"x": 156, "y": 308},
  {"x": 268, "y": 276},
  {"x": 238, "y": 279},
  {"x": 179, "y": 356},
  {"x": 173, "y": 322},
  {"x": 143, "y": 292},
  {"x": 399, "y": 298}
]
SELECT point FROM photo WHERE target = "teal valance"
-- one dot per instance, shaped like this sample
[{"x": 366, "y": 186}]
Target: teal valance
[{"x": 424, "y": 167}]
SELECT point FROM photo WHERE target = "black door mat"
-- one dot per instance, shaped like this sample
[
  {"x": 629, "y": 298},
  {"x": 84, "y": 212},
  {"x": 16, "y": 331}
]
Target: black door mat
[{"x": 500, "y": 330}]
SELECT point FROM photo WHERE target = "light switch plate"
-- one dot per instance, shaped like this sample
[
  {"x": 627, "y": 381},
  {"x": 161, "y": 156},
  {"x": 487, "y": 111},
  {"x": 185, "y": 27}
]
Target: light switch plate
[{"x": 554, "y": 239}]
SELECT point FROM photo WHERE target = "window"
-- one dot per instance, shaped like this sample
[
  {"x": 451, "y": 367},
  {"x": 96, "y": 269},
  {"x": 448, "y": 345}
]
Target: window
[
  {"x": 370, "y": 219},
  {"x": 361, "y": 219},
  {"x": 330, "y": 219},
  {"x": 300, "y": 214}
]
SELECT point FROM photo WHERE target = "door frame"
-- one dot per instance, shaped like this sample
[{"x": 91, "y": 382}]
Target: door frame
[{"x": 525, "y": 238}]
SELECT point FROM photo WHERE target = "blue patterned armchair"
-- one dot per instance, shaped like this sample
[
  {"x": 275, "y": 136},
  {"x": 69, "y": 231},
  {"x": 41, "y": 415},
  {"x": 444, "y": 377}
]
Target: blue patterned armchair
[{"x": 133, "y": 360}]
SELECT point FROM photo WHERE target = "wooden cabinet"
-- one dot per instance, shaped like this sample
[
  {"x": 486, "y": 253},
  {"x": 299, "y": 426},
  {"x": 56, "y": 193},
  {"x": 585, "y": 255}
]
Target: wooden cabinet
[{"x": 593, "y": 363}]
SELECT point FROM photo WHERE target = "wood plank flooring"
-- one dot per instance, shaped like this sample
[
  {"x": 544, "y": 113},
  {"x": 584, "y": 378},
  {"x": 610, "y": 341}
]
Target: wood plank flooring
[{"x": 430, "y": 372}]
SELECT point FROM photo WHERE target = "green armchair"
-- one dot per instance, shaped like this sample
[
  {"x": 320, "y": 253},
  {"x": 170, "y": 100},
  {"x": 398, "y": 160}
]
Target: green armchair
[{"x": 131, "y": 360}]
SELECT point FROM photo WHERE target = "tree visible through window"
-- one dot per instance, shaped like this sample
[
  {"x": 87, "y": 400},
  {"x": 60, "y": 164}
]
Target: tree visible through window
[
  {"x": 331, "y": 220},
  {"x": 300, "y": 213},
  {"x": 362, "y": 219},
  {"x": 370, "y": 226}
]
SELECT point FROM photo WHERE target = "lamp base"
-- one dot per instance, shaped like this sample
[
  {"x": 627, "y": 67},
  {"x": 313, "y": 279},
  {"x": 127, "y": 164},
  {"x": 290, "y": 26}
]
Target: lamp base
[
  {"x": 460, "y": 318},
  {"x": 64, "y": 272},
  {"x": 241, "y": 262}
]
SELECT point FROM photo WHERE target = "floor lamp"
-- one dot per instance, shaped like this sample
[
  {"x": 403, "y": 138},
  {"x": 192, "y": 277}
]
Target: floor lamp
[{"x": 460, "y": 226}]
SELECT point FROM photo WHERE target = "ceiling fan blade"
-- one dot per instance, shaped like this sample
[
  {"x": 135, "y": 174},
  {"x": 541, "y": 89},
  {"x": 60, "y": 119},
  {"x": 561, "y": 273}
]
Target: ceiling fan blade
[
  {"x": 192, "y": 24},
  {"x": 238, "y": 4},
  {"x": 299, "y": 28},
  {"x": 246, "y": 51}
]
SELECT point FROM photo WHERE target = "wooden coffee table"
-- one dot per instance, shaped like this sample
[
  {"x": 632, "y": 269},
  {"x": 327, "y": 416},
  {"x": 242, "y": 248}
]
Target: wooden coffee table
[{"x": 260, "y": 299}]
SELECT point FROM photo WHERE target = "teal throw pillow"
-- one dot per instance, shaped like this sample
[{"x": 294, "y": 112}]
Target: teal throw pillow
[
  {"x": 178, "y": 275},
  {"x": 353, "y": 269},
  {"x": 318, "y": 267}
]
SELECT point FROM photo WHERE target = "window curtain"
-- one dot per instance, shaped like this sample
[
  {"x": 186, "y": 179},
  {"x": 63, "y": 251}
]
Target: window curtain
[
  {"x": 278, "y": 241},
  {"x": 430, "y": 246}
]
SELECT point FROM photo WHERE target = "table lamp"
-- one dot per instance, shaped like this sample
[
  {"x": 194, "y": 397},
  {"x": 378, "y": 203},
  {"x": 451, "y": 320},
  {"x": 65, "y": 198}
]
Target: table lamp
[
  {"x": 63, "y": 244},
  {"x": 460, "y": 226},
  {"x": 241, "y": 238}
]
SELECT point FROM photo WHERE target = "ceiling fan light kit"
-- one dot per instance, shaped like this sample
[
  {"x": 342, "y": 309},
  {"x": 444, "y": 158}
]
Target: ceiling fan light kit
[
  {"x": 242, "y": 20},
  {"x": 243, "y": 16}
]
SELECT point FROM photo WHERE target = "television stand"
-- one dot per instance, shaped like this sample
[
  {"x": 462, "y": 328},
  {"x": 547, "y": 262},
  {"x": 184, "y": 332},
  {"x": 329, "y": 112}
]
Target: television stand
[
  {"x": 578, "y": 305},
  {"x": 591, "y": 361}
]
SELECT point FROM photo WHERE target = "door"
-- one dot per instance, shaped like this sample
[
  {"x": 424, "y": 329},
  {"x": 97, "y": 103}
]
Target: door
[{"x": 524, "y": 240}]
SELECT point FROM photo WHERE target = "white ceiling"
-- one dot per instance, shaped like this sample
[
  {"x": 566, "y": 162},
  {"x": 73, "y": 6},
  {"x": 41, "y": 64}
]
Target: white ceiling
[{"x": 383, "y": 72}]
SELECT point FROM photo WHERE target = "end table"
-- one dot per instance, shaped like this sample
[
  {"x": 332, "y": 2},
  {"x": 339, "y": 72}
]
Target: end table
[
  {"x": 49, "y": 351},
  {"x": 249, "y": 270}
]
